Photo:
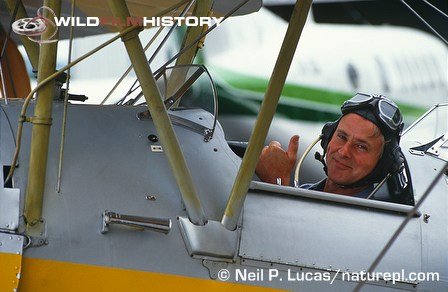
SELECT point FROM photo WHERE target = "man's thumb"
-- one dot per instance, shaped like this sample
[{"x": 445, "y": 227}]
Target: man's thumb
[{"x": 293, "y": 147}]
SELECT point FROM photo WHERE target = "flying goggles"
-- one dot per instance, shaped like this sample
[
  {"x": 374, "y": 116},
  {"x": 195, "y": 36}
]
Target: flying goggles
[{"x": 385, "y": 110}]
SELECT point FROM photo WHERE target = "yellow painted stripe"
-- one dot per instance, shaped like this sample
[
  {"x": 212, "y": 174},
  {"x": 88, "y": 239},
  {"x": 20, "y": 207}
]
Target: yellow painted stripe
[
  {"x": 47, "y": 275},
  {"x": 9, "y": 271}
]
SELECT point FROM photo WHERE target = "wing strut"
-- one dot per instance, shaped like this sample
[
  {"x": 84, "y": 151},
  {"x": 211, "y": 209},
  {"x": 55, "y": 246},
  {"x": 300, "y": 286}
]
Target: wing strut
[
  {"x": 40, "y": 136},
  {"x": 268, "y": 107},
  {"x": 160, "y": 118}
]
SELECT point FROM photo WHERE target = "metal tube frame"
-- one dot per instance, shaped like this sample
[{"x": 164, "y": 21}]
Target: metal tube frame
[{"x": 41, "y": 131}]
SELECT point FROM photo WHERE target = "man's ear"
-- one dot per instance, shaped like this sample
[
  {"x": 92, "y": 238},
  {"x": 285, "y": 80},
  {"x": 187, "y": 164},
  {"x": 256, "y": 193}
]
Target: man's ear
[
  {"x": 327, "y": 133},
  {"x": 397, "y": 157}
]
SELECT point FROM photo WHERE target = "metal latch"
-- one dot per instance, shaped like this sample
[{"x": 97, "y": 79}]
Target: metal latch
[{"x": 154, "y": 224}]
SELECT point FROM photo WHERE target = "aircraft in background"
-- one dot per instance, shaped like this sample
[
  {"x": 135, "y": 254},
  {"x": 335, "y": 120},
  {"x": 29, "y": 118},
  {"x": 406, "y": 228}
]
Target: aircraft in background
[{"x": 333, "y": 62}]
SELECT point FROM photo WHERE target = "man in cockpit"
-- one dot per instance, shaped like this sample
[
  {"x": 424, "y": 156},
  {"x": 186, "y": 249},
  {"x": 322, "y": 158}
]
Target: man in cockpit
[{"x": 360, "y": 149}]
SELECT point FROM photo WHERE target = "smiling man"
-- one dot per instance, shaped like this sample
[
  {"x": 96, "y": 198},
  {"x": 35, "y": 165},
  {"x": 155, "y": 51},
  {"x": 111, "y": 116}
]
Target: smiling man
[{"x": 360, "y": 149}]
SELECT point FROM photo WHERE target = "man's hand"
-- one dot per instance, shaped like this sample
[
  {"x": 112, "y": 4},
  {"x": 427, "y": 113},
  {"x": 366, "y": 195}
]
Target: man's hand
[{"x": 274, "y": 162}]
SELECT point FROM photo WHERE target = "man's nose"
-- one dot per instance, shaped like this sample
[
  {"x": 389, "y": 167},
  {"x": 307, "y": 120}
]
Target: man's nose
[{"x": 344, "y": 150}]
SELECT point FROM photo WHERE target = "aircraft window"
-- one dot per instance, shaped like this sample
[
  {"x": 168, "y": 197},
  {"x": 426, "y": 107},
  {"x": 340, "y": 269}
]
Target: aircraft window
[
  {"x": 187, "y": 87},
  {"x": 409, "y": 70},
  {"x": 422, "y": 72},
  {"x": 410, "y": 65},
  {"x": 425, "y": 76},
  {"x": 430, "y": 74},
  {"x": 403, "y": 72},
  {"x": 440, "y": 73},
  {"x": 353, "y": 76},
  {"x": 383, "y": 75},
  {"x": 431, "y": 133},
  {"x": 431, "y": 126}
]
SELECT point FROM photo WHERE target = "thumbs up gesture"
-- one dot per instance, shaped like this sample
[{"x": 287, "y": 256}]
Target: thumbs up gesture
[{"x": 275, "y": 163}]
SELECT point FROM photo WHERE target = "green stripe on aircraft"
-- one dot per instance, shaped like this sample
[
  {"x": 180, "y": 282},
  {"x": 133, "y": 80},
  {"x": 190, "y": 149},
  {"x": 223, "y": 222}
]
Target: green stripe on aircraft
[{"x": 242, "y": 94}]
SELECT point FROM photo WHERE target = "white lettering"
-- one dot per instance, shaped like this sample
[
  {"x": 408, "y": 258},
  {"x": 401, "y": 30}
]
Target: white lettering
[
  {"x": 394, "y": 277},
  {"x": 78, "y": 21},
  {"x": 168, "y": 21},
  {"x": 290, "y": 277},
  {"x": 244, "y": 275},
  {"x": 273, "y": 273},
  {"x": 65, "y": 21},
  {"x": 205, "y": 21},
  {"x": 191, "y": 21},
  {"x": 150, "y": 21},
  {"x": 218, "y": 20},
  {"x": 93, "y": 21},
  {"x": 179, "y": 19},
  {"x": 153, "y": 21},
  {"x": 240, "y": 275}
]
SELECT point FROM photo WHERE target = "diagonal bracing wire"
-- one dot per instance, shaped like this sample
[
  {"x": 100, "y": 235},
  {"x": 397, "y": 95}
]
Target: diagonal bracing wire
[
  {"x": 424, "y": 21},
  {"x": 187, "y": 47}
]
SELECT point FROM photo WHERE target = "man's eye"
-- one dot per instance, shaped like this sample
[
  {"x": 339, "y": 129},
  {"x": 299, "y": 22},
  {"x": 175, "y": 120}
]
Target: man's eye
[
  {"x": 362, "y": 147},
  {"x": 342, "y": 137}
]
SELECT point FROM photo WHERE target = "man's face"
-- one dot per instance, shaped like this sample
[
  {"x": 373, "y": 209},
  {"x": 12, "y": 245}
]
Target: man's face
[{"x": 354, "y": 150}]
